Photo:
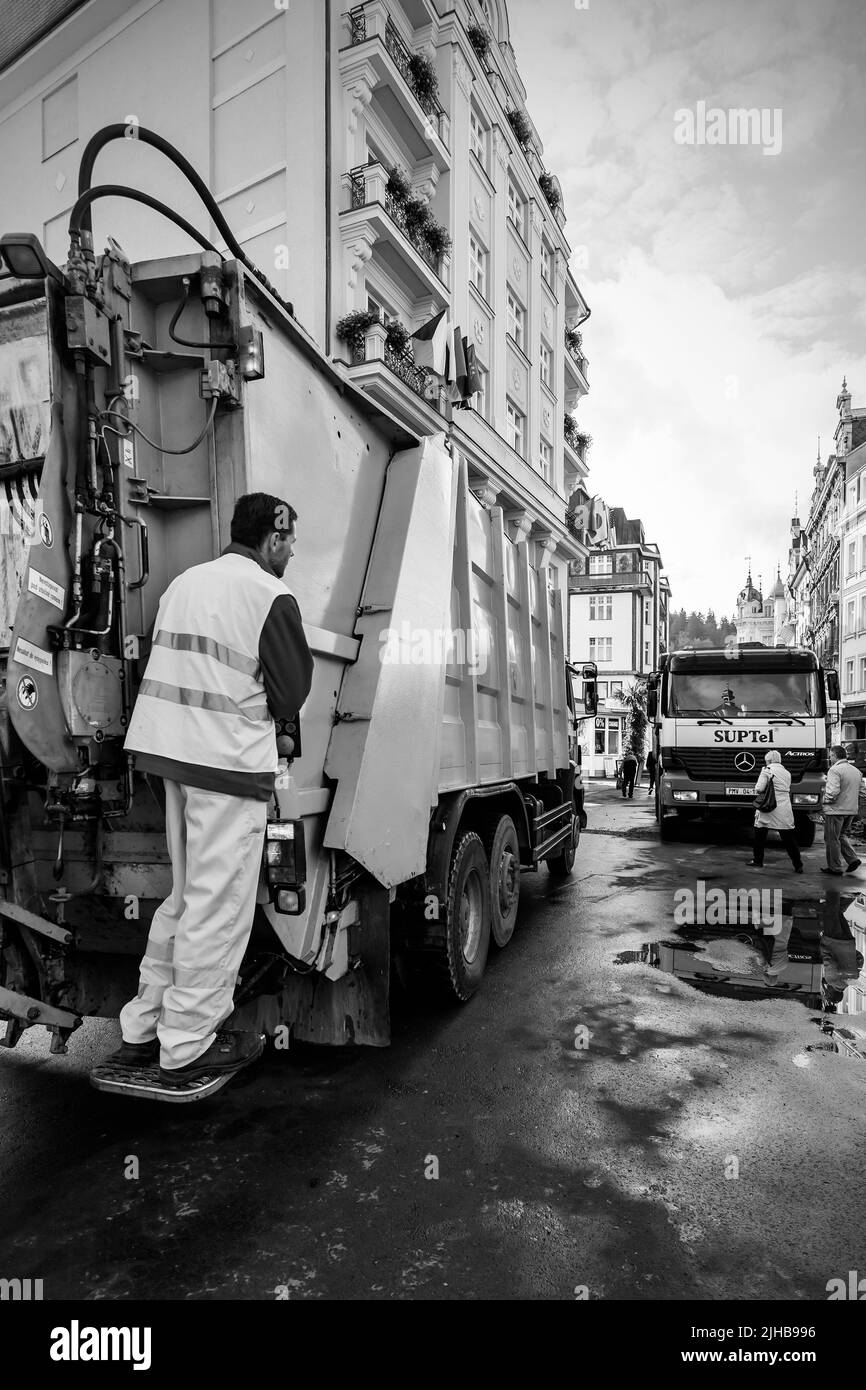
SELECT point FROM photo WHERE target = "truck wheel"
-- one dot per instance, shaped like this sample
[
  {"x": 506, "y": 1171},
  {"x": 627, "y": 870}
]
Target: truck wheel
[
  {"x": 669, "y": 828},
  {"x": 561, "y": 865},
  {"x": 804, "y": 829},
  {"x": 458, "y": 962},
  {"x": 503, "y": 852}
]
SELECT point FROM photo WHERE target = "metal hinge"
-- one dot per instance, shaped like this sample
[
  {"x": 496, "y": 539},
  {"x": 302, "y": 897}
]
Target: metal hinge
[{"x": 350, "y": 718}]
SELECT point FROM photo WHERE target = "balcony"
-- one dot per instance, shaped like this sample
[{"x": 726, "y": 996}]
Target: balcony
[
  {"x": 374, "y": 216},
  {"x": 410, "y": 392},
  {"x": 378, "y": 57},
  {"x": 575, "y": 444},
  {"x": 622, "y": 581}
]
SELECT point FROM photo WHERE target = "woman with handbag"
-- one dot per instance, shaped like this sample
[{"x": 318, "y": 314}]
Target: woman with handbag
[{"x": 773, "y": 811}]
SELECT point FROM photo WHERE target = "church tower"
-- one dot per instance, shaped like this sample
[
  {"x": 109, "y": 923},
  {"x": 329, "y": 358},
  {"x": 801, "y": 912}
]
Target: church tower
[{"x": 754, "y": 623}]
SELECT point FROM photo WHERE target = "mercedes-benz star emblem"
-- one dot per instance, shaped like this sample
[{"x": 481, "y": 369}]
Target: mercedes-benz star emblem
[{"x": 744, "y": 762}]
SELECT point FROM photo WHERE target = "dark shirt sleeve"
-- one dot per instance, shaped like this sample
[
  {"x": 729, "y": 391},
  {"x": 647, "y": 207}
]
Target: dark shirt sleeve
[{"x": 286, "y": 660}]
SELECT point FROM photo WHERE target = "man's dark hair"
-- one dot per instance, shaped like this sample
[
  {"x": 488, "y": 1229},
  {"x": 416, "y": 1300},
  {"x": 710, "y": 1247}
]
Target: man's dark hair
[
  {"x": 839, "y": 751},
  {"x": 257, "y": 515}
]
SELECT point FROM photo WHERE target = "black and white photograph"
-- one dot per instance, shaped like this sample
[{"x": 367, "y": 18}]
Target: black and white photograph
[{"x": 432, "y": 671}]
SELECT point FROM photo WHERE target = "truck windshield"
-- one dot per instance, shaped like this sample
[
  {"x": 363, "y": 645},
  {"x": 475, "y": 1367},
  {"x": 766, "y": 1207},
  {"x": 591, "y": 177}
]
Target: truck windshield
[{"x": 743, "y": 695}]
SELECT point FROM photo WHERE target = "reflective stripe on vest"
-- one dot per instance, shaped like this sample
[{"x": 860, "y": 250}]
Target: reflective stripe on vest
[
  {"x": 202, "y": 699},
  {"x": 195, "y": 642}
]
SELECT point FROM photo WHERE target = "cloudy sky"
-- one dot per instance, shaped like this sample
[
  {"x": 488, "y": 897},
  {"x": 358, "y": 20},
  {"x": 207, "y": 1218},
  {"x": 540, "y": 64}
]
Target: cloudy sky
[{"x": 728, "y": 287}]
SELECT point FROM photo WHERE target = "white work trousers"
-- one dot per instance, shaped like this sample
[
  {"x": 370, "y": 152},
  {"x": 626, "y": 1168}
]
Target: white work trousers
[{"x": 198, "y": 936}]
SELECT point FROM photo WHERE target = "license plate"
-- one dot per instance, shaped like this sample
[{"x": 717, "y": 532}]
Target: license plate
[{"x": 739, "y": 791}]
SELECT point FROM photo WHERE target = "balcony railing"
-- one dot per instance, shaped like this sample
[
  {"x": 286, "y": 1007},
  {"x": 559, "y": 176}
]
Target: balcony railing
[
  {"x": 396, "y": 211},
  {"x": 577, "y": 357},
  {"x": 372, "y": 346},
  {"x": 358, "y": 33}
]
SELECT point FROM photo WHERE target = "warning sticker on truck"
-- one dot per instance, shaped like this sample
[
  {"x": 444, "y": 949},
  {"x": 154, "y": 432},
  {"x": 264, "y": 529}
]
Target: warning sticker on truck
[
  {"x": 46, "y": 588},
  {"x": 28, "y": 655}
]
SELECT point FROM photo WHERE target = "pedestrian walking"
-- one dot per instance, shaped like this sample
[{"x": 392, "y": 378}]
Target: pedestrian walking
[
  {"x": 651, "y": 769},
  {"x": 229, "y": 661},
  {"x": 841, "y": 804},
  {"x": 779, "y": 816},
  {"x": 629, "y": 772}
]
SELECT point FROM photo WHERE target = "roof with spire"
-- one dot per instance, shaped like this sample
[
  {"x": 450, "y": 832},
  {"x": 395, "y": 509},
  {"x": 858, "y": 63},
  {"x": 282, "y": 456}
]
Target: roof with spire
[
  {"x": 778, "y": 590},
  {"x": 750, "y": 594}
]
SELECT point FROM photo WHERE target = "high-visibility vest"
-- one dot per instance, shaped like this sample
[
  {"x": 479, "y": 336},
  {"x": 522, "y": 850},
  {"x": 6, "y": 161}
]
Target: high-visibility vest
[{"x": 202, "y": 700}]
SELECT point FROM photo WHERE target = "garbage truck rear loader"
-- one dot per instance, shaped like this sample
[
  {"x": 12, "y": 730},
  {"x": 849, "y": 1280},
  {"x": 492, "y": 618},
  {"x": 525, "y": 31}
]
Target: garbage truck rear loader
[{"x": 434, "y": 757}]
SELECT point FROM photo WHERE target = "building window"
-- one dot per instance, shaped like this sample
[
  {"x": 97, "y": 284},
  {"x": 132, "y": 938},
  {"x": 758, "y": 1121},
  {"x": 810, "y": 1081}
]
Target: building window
[
  {"x": 600, "y": 608},
  {"x": 647, "y": 658},
  {"x": 862, "y": 623},
  {"x": 601, "y": 564},
  {"x": 481, "y": 395},
  {"x": 607, "y": 733},
  {"x": 601, "y": 649},
  {"x": 616, "y": 690},
  {"x": 516, "y": 320},
  {"x": 862, "y": 685},
  {"x": 852, "y": 495},
  {"x": 852, "y": 556},
  {"x": 849, "y": 674},
  {"x": 516, "y": 206},
  {"x": 544, "y": 357},
  {"x": 478, "y": 138},
  {"x": 547, "y": 264},
  {"x": 545, "y": 454},
  {"x": 478, "y": 265},
  {"x": 515, "y": 431},
  {"x": 601, "y": 689},
  {"x": 647, "y": 611},
  {"x": 849, "y": 616}
]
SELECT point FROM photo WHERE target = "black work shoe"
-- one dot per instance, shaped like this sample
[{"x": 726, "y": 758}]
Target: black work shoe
[
  {"x": 837, "y": 873},
  {"x": 227, "y": 1052},
  {"x": 855, "y": 864},
  {"x": 135, "y": 1054}
]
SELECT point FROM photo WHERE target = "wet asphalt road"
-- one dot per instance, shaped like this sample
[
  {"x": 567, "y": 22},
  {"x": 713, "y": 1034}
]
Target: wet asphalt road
[{"x": 558, "y": 1168}]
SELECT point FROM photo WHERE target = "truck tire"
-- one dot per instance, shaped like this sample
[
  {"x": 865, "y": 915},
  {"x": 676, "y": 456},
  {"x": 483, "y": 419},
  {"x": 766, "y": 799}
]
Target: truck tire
[
  {"x": 804, "y": 830},
  {"x": 453, "y": 962},
  {"x": 503, "y": 853},
  {"x": 560, "y": 865},
  {"x": 669, "y": 827}
]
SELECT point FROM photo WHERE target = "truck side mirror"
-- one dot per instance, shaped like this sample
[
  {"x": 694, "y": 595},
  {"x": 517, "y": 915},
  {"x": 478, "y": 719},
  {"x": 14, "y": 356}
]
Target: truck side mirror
[
  {"x": 590, "y": 696},
  {"x": 652, "y": 704},
  {"x": 833, "y": 685}
]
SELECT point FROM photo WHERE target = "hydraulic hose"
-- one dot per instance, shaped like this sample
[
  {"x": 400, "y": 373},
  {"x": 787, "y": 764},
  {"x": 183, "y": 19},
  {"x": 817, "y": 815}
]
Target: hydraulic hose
[
  {"x": 120, "y": 131},
  {"x": 81, "y": 211}
]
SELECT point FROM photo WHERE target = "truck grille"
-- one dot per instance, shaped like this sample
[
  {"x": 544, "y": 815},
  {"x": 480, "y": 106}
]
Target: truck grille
[{"x": 717, "y": 764}]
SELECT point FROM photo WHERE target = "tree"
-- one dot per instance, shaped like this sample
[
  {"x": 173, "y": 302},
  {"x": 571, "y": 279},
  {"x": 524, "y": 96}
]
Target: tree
[{"x": 636, "y": 722}]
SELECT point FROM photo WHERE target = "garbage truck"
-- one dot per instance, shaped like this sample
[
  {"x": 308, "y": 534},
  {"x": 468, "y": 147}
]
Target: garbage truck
[
  {"x": 716, "y": 712},
  {"x": 435, "y": 760}
]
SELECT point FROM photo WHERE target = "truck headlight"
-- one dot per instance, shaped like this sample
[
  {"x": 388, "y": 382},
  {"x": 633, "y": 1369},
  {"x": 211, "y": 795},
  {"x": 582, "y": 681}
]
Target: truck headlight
[
  {"x": 685, "y": 796},
  {"x": 806, "y": 799}
]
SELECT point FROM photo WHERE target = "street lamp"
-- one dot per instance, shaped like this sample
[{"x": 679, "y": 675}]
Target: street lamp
[{"x": 24, "y": 257}]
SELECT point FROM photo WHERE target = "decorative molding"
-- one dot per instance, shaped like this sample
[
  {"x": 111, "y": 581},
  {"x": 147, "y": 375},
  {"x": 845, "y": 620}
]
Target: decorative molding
[
  {"x": 545, "y": 417},
  {"x": 359, "y": 81},
  {"x": 478, "y": 208},
  {"x": 517, "y": 268},
  {"x": 485, "y": 490},
  {"x": 516, "y": 381},
  {"x": 546, "y": 316},
  {"x": 358, "y": 243},
  {"x": 500, "y": 148},
  {"x": 519, "y": 523},
  {"x": 462, "y": 73},
  {"x": 479, "y": 329}
]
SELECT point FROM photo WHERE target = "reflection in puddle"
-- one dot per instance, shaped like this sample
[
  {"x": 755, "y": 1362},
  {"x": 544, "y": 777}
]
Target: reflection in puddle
[{"x": 812, "y": 957}]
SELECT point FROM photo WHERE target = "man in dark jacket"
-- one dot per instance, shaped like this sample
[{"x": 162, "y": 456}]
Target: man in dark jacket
[
  {"x": 229, "y": 662},
  {"x": 629, "y": 772}
]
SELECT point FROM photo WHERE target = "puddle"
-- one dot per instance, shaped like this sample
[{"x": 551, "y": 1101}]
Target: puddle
[{"x": 807, "y": 952}]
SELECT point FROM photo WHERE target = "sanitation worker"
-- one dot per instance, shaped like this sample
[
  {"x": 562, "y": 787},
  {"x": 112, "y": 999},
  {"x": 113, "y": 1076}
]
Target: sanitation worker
[{"x": 229, "y": 662}]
